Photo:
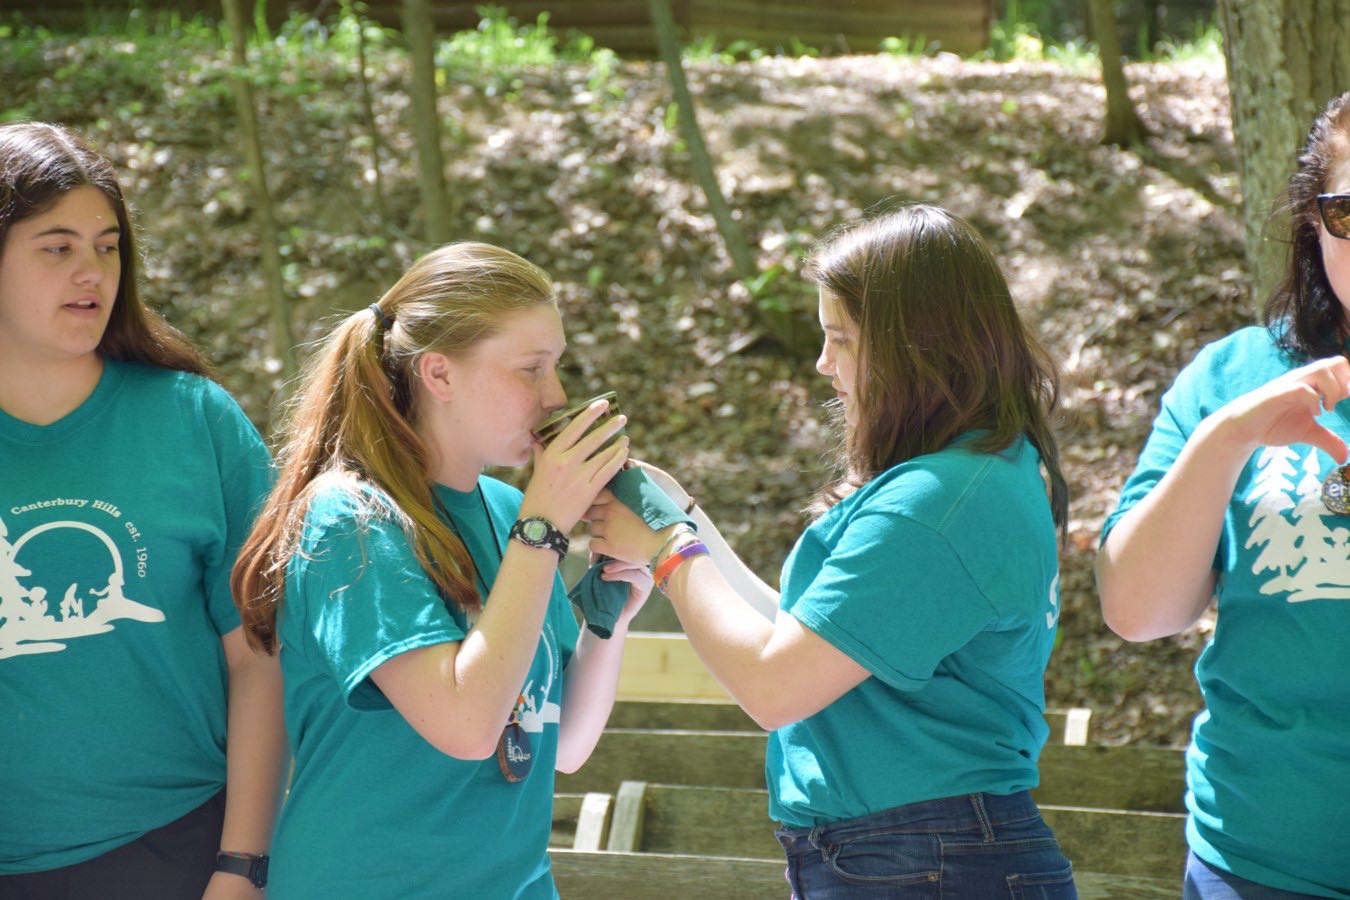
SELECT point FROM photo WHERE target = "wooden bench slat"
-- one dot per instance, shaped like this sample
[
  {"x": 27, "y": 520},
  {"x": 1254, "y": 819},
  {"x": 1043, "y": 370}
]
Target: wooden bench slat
[
  {"x": 1067, "y": 726},
  {"x": 658, "y": 876},
  {"x": 661, "y": 669},
  {"x": 734, "y": 822},
  {"x": 1148, "y": 779},
  {"x": 593, "y": 821}
]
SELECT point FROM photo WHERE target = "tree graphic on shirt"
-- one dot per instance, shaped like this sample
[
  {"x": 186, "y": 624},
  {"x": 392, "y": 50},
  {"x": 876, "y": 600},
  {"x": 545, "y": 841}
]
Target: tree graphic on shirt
[{"x": 1307, "y": 556}]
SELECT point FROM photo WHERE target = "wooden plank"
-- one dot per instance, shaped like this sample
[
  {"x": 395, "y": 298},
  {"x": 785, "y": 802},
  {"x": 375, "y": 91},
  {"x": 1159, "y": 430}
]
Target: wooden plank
[
  {"x": 1149, "y": 779},
  {"x": 1099, "y": 886},
  {"x": 662, "y": 666},
  {"x": 735, "y": 822},
  {"x": 1136, "y": 778},
  {"x": 593, "y": 821},
  {"x": 654, "y": 876},
  {"x": 690, "y": 715},
  {"x": 1074, "y": 729},
  {"x": 626, "y": 831},
  {"x": 1068, "y": 726},
  {"x": 566, "y": 810},
  {"x": 721, "y": 821},
  {"x": 1120, "y": 842}
]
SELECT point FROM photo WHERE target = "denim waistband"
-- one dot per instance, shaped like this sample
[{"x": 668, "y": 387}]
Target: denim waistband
[{"x": 968, "y": 812}]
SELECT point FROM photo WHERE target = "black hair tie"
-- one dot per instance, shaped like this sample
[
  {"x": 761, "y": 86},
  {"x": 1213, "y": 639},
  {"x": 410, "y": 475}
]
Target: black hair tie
[{"x": 386, "y": 321}]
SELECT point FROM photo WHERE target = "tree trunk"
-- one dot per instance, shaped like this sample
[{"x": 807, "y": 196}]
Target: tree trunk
[
  {"x": 283, "y": 342},
  {"x": 1123, "y": 127},
  {"x": 368, "y": 114},
  {"x": 669, "y": 44},
  {"x": 421, "y": 34},
  {"x": 1286, "y": 59}
]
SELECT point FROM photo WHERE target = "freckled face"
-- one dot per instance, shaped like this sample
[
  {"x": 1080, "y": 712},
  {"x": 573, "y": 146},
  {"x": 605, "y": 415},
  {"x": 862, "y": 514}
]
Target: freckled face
[
  {"x": 504, "y": 387},
  {"x": 839, "y": 355},
  {"x": 59, "y": 274}
]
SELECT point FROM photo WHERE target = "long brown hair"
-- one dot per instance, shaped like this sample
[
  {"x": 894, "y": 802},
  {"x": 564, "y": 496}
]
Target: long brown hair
[
  {"x": 1303, "y": 313},
  {"x": 941, "y": 348},
  {"x": 352, "y": 421},
  {"x": 39, "y": 164}
]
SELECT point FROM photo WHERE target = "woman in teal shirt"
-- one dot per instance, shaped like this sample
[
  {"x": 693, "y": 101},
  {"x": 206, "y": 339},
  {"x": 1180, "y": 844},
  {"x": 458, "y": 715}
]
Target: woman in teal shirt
[
  {"x": 902, "y": 674},
  {"x": 142, "y": 751},
  {"x": 434, "y": 677},
  {"x": 1239, "y": 497}
]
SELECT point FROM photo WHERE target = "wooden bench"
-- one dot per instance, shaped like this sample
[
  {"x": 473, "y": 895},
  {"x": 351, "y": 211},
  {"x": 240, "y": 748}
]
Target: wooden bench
[
  {"x": 668, "y": 840},
  {"x": 1144, "y": 779},
  {"x": 661, "y": 818},
  {"x": 1067, "y": 726}
]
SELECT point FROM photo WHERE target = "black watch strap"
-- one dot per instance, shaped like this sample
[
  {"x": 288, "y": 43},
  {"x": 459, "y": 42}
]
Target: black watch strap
[
  {"x": 251, "y": 866},
  {"x": 536, "y": 531}
]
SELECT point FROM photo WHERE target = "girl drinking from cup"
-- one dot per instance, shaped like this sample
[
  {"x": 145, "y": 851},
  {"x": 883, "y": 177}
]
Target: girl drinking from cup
[{"x": 434, "y": 676}]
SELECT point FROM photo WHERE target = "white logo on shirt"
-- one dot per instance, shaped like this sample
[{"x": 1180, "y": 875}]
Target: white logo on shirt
[
  {"x": 28, "y": 621},
  {"x": 538, "y": 711},
  {"x": 1052, "y": 616},
  {"x": 1310, "y": 558}
]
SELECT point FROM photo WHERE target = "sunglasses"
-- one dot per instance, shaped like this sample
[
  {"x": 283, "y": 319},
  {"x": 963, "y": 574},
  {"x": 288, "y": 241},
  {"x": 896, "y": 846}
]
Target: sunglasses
[{"x": 1335, "y": 210}]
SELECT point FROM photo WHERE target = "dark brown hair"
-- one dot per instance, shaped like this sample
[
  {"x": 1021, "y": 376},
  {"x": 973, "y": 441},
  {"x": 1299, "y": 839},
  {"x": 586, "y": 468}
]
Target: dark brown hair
[
  {"x": 39, "y": 164},
  {"x": 941, "y": 348},
  {"x": 1303, "y": 313}
]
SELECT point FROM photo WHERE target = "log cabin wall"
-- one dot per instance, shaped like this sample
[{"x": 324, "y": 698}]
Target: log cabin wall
[{"x": 960, "y": 26}]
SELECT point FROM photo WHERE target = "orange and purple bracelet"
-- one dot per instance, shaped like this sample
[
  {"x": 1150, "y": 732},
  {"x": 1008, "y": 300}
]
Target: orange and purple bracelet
[{"x": 672, "y": 562}]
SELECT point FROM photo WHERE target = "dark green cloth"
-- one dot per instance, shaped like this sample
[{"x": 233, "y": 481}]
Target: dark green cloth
[{"x": 601, "y": 601}]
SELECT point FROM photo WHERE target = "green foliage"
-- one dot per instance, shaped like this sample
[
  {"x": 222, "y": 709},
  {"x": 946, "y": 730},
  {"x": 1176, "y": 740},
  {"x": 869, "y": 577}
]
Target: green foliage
[
  {"x": 910, "y": 46},
  {"x": 708, "y": 49},
  {"x": 1057, "y": 30},
  {"x": 1205, "y": 46},
  {"x": 501, "y": 50}
]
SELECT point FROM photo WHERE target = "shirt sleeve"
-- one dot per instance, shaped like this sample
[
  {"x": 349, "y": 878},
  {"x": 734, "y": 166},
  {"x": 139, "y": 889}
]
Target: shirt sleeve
[
  {"x": 1177, "y": 419},
  {"x": 366, "y": 600},
  {"x": 895, "y": 597},
  {"x": 245, "y": 472}
]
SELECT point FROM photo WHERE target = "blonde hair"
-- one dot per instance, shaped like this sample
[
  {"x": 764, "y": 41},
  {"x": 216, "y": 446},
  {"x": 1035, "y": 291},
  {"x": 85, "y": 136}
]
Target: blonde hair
[{"x": 351, "y": 421}]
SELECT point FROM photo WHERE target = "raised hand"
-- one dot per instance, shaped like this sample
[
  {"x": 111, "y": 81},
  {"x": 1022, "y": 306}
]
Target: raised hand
[
  {"x": 1285, "y": 410},
  {"x": 573, "y": 468}
]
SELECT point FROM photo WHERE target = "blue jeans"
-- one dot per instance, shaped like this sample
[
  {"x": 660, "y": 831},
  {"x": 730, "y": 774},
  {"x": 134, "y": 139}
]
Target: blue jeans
[
  {"x": 1205, "y": 882},
  {"x": 974, "y": 847}
]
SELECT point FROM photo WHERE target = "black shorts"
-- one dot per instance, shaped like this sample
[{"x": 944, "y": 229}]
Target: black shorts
[{"x": 171, "y": 862}]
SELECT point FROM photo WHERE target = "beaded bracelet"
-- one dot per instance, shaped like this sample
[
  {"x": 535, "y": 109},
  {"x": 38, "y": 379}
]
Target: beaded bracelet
[
  {"x": 682, "y": 531},
  {"x": 672, "y": 562}
]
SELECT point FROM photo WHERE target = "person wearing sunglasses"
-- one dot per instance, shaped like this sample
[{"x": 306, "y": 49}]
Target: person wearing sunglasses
[
  {"x": 433, "y": 673},
  {"x": 1239, "y": 495}
]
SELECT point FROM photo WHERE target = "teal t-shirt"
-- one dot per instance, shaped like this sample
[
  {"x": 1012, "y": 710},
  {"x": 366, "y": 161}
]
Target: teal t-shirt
[
  {"x": 119, "y": 524},
  {"x": 374, "y": 810},
  {"x": 1268, "y": 768},
  {"x": 940, "y": 577}
]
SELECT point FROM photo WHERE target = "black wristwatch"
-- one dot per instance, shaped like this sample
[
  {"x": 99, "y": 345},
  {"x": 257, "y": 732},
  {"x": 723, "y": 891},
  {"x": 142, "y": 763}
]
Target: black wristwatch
[
  {"x": 251, "y": 866},
  {"x": 535, "y": 531}
]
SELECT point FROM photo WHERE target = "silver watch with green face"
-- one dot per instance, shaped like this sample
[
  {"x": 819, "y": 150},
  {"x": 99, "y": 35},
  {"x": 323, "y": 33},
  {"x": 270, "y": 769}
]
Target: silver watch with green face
[{"x": 536, "y": 531}]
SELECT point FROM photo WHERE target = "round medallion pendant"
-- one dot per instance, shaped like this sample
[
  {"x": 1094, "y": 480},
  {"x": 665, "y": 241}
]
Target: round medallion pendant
[
  {"x": 1336, "y": 491},
  {"x": 514, "y": 754}
]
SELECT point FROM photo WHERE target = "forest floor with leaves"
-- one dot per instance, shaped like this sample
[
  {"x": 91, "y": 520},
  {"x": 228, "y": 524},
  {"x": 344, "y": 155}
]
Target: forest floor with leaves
[{"x": 1125, "y": 262}]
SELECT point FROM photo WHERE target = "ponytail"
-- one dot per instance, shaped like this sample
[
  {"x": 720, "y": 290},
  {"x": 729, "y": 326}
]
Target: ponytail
[{"x": 351, "y": 423}]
